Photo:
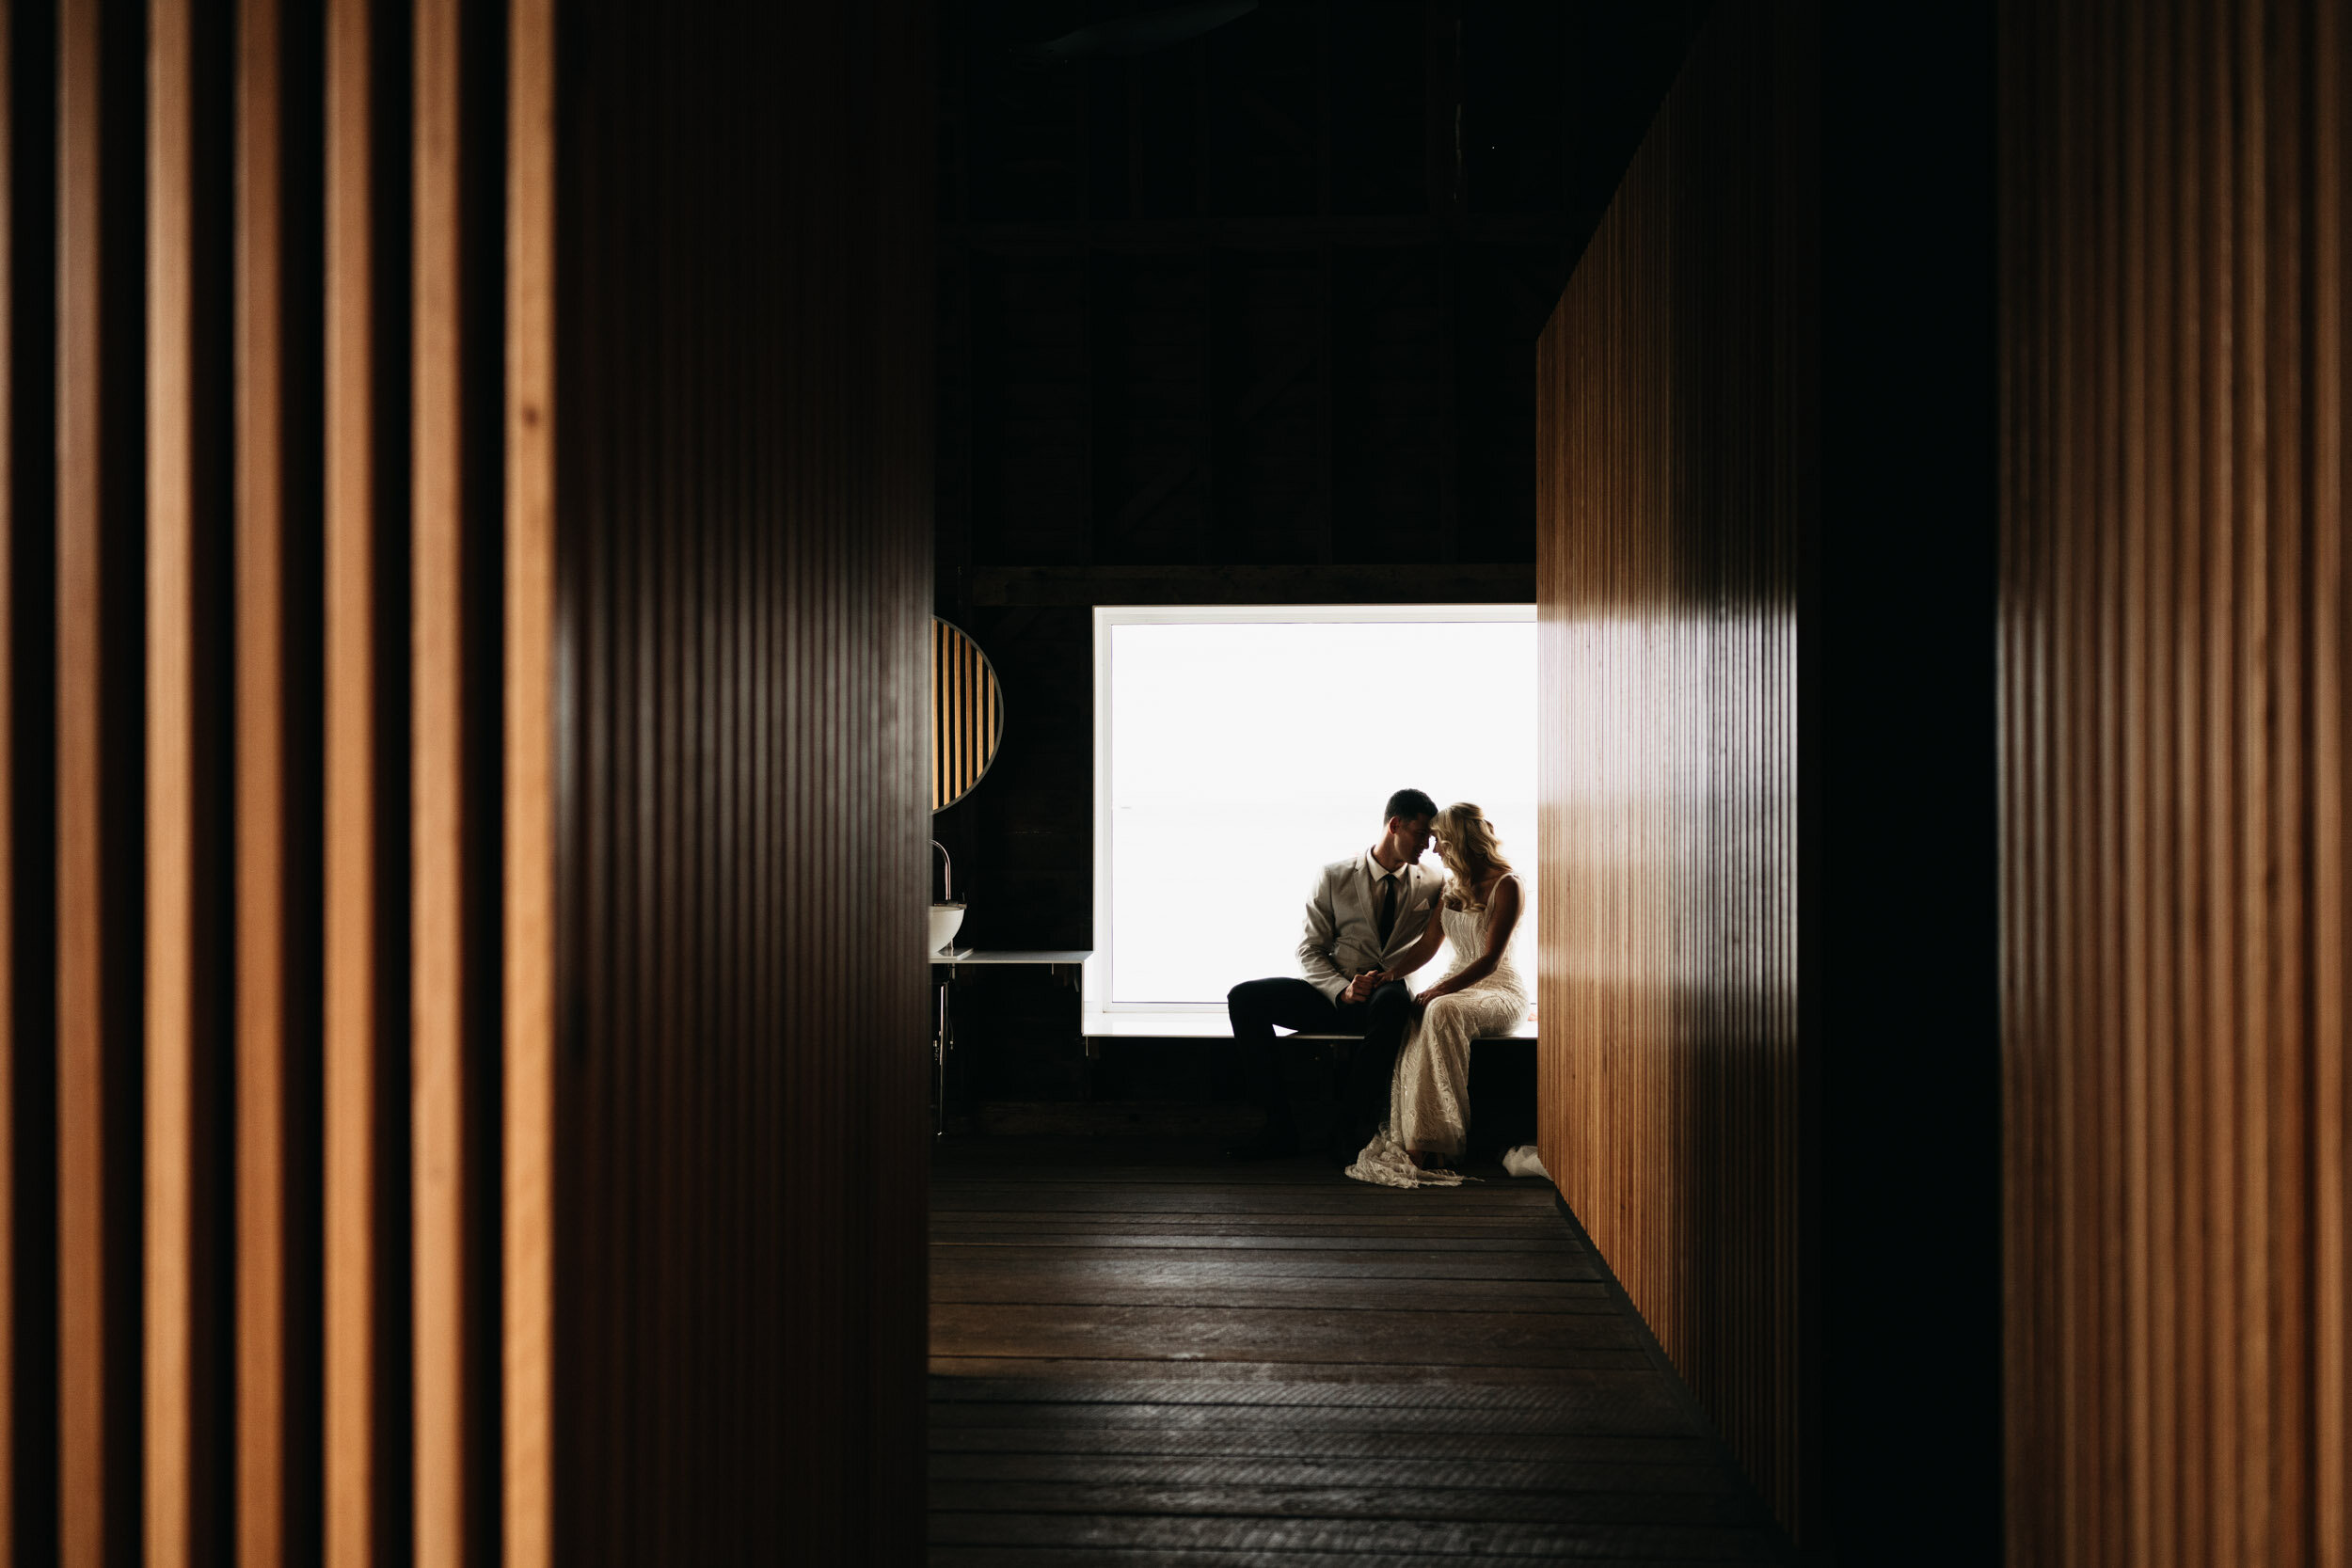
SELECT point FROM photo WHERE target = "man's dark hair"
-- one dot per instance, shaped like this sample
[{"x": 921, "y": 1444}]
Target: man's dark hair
[{"x": 1409, "y": 803}]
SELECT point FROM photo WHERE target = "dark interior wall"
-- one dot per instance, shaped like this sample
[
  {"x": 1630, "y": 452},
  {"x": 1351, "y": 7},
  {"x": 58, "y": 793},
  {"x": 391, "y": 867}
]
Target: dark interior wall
[
  {"x": 1265, "y": 294},
  {"x": 2174, "y": 711},
  {"x": 1899, "y": 732},
  {"x": 1767, "y": 643},
  {"x": 744, "y": 406},
  {"x": 28, "y": 1077}
]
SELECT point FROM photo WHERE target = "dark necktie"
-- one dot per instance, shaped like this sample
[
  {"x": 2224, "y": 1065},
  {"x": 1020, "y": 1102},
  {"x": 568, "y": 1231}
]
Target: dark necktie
[{"x": 1387, "y": 909}]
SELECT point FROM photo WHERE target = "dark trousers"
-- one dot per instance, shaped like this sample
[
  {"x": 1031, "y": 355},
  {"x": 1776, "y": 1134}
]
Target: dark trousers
[{"x": 1256, "y": 1006}]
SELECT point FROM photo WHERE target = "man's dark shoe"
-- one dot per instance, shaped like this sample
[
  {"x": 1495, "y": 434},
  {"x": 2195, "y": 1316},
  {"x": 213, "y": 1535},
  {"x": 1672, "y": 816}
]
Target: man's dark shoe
[{"x": 1274, "y": 1141}]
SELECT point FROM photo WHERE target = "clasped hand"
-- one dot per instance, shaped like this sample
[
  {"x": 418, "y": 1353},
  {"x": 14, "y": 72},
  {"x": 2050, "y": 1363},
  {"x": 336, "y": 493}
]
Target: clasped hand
[{"x": 1368, "y": 981}]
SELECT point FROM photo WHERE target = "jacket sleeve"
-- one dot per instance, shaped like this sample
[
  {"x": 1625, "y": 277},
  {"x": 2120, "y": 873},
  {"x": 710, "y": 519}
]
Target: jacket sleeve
[{"x": 1316, "y": 943}]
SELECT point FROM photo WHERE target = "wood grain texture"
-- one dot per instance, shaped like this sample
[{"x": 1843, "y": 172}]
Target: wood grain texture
[
  {"x": 2172, "y": 663},
  {"x": 1372, "y": 1412},
  {"x": 81, "y": 1079},
  {"x": 530, "y": 918},
  {"x": 1670, "y": 404},
  {"x": 326, "y": 1228},
  {"x": 170, "y": 1221},
  {"x": 743, "y": 498},
  {"x": 967, "y": 715},
  {"x": 354, "y": 1076},
  {"x": 261, "y": 805},
  {"x": 442, "y": 1185}
]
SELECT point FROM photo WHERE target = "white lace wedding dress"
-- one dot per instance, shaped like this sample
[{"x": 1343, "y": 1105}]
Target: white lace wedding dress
[{"x": 1429, "y": 1095}]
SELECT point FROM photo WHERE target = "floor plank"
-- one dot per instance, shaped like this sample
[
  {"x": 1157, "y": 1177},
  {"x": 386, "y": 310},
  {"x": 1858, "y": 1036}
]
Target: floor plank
[
  {"x": 1364, "y": 1337},
  {"x": 1223, "y": 1240},
  {"x": 1067, "y": 1286},
  {"x": 1610, "y": 1404},
  {"x": 1141, "y": 1354},
  {"x": 1275, "y": 1263},
  {"x": 1049, "y": 1557},
  {"x": 1328, "y": 1501},
  {"x": 1130, "y": 1198},
  {"x": 1110, "y": 1533},
  {"x": 1621, "y": 1379},
  {"x": 1170, "y": 1435},
  {"x": 1382, "y": 1470}
]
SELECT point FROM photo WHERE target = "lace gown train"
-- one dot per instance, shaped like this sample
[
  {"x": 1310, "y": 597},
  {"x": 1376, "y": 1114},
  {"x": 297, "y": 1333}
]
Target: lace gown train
[{"x": 1429, "y": 1095}]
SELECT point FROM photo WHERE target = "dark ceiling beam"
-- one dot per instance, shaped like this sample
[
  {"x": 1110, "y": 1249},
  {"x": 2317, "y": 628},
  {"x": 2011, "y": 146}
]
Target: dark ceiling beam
[{"x": 1258, "y": 585}]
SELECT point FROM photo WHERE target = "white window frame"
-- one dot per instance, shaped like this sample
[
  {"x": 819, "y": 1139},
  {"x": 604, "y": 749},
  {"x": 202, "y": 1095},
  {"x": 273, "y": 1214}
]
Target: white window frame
[{"x": 1098, "y": 971}]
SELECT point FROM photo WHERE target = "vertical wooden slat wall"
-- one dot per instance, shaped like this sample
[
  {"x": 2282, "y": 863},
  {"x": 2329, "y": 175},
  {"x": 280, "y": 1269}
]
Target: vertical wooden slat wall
[
  {"x": 262, "y": 740},
  {"x": 358, "y": 1080},
  {"x": 966, "y": 721},
  {"x": 2173, "y": 785},
  {"x": 1669, "y": 388},
  {"x": 464, "y": 701},
  {"x": 171, "y": 1219},
  {"x": 441, "y": 1186},
  {"x": 529, "y": 918},
  {"x": 81, "y": 1083},
  {"x": 742, "y": 480}
]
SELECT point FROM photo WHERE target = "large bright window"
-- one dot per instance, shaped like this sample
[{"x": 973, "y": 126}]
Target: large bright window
[{"x": 1238, "y": 750}]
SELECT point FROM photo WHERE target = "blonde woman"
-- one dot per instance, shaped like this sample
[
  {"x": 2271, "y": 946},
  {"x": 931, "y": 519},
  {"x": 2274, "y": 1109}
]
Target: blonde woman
[{"x": 1482, "y": 994}]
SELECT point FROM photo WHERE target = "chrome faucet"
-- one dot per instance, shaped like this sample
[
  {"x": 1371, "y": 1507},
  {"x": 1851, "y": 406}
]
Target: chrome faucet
[{"x": 947, "y": 879}]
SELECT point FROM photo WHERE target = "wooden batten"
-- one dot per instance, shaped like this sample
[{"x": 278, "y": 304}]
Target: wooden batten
[
  {"x": 530, "y": 913},
  {"x": 261, "y": 805},
  {"x": 440, "y": 1184},
  {"x": 2330, "y": 795},
  {"x": 170, "y": 1221},
  {"x": 85, "y": 1203},
  {"x": 353, "y": 1083}
]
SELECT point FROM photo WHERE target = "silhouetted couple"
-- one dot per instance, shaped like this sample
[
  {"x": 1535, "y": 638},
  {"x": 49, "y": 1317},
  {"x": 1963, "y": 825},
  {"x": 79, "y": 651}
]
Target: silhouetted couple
[{"x": 1372, "y": 920}]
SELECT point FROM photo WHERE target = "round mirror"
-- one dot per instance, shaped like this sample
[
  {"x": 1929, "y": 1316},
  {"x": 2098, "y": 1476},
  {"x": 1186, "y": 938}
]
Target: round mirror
[{"x": 967, "y": 714}]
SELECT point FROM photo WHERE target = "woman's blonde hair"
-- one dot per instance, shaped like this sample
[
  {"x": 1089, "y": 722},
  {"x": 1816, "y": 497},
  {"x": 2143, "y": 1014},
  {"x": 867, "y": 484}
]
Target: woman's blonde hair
[{"x": 1471, "y": 851}]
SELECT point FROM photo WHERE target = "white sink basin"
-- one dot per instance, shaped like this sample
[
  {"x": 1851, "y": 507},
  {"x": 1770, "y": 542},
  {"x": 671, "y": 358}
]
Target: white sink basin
[{"x": 946, "y": 918}]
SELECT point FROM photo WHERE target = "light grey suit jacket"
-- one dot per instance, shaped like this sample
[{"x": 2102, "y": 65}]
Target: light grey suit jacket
[{"x": 1342, "y": 933}]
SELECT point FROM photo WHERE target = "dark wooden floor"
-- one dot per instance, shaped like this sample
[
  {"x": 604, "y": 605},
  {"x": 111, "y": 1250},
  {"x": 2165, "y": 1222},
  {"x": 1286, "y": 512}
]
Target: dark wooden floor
[{"x": 1141, "y": 1354}]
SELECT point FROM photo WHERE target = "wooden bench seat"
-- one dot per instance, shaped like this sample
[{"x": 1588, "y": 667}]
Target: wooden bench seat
[
  {"x": 1206, "y": 1024},
  {"x": 1502, "y": 1069}
]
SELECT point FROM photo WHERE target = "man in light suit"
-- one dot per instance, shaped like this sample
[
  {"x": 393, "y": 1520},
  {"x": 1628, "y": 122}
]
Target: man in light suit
[{"x": 1366, "y": 910}]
